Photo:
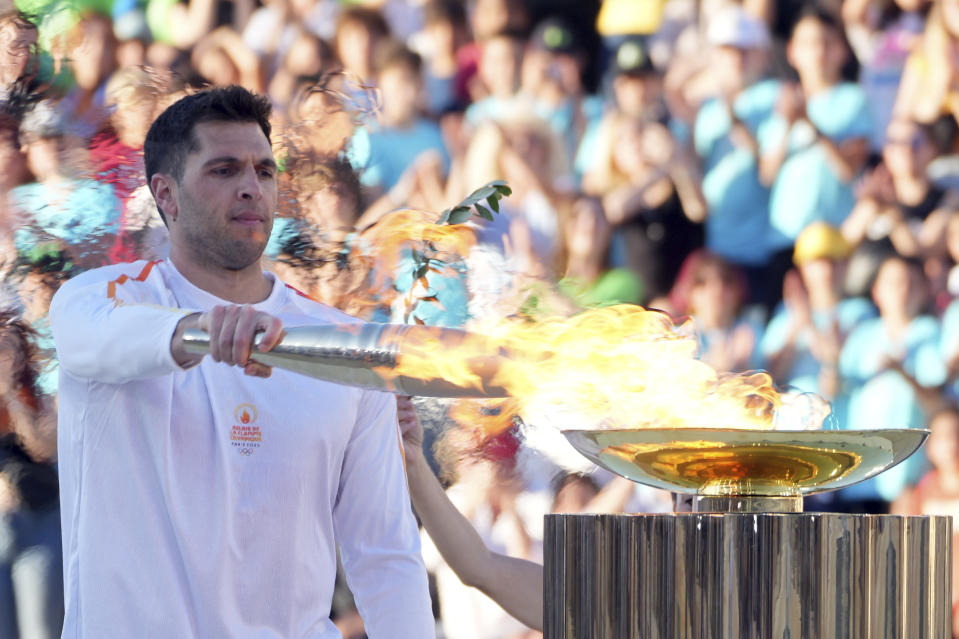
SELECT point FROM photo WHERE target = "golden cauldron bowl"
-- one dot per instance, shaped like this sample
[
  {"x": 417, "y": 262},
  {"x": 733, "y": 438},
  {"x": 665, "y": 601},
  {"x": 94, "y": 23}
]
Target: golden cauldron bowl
[{"x": 730, "y": 469}]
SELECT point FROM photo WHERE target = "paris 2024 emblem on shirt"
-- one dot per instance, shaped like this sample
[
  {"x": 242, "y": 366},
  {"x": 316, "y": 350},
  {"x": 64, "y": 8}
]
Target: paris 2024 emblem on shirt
[{"x": 245, "y": 435}]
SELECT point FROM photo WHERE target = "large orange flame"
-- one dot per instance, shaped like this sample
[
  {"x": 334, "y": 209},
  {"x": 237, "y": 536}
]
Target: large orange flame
[{"x": 616, "y": 367}]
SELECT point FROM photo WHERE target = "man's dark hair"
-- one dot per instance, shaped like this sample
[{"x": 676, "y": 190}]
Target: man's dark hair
[{"x": 171, "y": 136}]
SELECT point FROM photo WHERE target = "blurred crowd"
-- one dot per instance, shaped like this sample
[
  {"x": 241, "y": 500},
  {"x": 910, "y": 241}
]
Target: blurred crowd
[{"x": 784, "y": 172}]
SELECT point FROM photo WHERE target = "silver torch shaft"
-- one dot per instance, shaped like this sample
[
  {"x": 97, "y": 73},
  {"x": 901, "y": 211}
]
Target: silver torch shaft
[{"x": 364, "y": 355}]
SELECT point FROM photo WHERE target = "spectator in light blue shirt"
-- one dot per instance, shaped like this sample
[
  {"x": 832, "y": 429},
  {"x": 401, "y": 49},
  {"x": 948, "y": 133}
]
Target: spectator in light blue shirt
[
  {"x": 950, "y": 347},
  {"x": 725, "y": 130},
  {"x": 892, "y": 367},
  {"x": 401, "y": 136},
  {"x": 802, "y": 342},
  {"x": 499, "y": 73},
  {"x": 819, "y": 140},
  {"x": 61, "y": 209}
]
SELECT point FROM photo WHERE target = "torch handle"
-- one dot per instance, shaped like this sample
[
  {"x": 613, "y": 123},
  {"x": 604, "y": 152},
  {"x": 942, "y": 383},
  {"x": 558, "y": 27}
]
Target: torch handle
[
  {"x": 361, "y": 355},
  {"x": 196, "y": 341}
]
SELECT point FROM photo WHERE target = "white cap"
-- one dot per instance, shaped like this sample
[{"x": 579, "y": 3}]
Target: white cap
[{"x": 732, "y": 26}]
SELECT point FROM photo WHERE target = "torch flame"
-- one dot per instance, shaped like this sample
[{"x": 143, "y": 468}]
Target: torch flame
[{"x": 616, "y": 367}]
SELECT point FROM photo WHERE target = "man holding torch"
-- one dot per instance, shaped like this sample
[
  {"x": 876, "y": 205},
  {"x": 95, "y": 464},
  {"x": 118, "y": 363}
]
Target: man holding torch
[{"x": 205, "y": 497}]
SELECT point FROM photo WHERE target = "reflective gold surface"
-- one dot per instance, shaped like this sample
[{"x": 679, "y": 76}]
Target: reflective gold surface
[{"x": 727, "y": 461}]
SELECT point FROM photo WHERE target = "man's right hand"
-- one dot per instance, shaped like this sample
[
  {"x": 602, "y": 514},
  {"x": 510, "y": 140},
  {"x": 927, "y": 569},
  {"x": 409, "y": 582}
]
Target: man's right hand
[{"x": 231, "y": 330}]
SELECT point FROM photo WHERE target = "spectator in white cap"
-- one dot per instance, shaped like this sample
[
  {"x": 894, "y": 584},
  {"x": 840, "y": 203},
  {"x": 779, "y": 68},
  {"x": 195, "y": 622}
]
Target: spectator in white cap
[
  {"x": 725, "y": 133},
  {"x": 734, "y": 26}
]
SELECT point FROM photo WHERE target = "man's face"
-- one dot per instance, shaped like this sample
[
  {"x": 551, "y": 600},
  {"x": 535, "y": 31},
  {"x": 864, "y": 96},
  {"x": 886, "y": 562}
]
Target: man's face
[{"x": 221, "y": 212}]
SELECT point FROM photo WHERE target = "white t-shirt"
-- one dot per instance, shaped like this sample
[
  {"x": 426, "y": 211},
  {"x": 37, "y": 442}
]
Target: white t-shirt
[{"x": 205, "y": 503}]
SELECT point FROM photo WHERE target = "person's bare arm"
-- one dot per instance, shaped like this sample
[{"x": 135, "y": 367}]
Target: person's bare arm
[
  {"x": 680, "y": 163},
  {"x": 782, "y": 361},
  {"x": 772, "y": 160},
  {"x": 846, "y": 158},
  {"x": 929, "y": 397},
  {"x": 799, "y": 318},
  {"x": 688, "y": 179},
  {"x": 613, "y": 497},
  {"x": 858, "y": 18},
  {"x": 193, "y": 20},
  {"x": 380, "y": 207},
  {"x": 907, "y": 503},
  {"x": 515, "y": 584},
  {"x": 855, "y": 12},
  {"x": 913, "y": 96},
  {"x": 597, "y": 179},
  {"x": 855, "y": 226},
  {"x": 626, "y": 202},
  {"x": 791, "y": 107},
  {"x": 902, "y": 235},
  {"x": 765, "y": 10},
  {"x": 932, "y": 233}
]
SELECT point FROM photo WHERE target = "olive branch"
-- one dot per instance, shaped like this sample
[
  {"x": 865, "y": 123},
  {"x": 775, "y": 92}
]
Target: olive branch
[{"x": 426, "y": 260}]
